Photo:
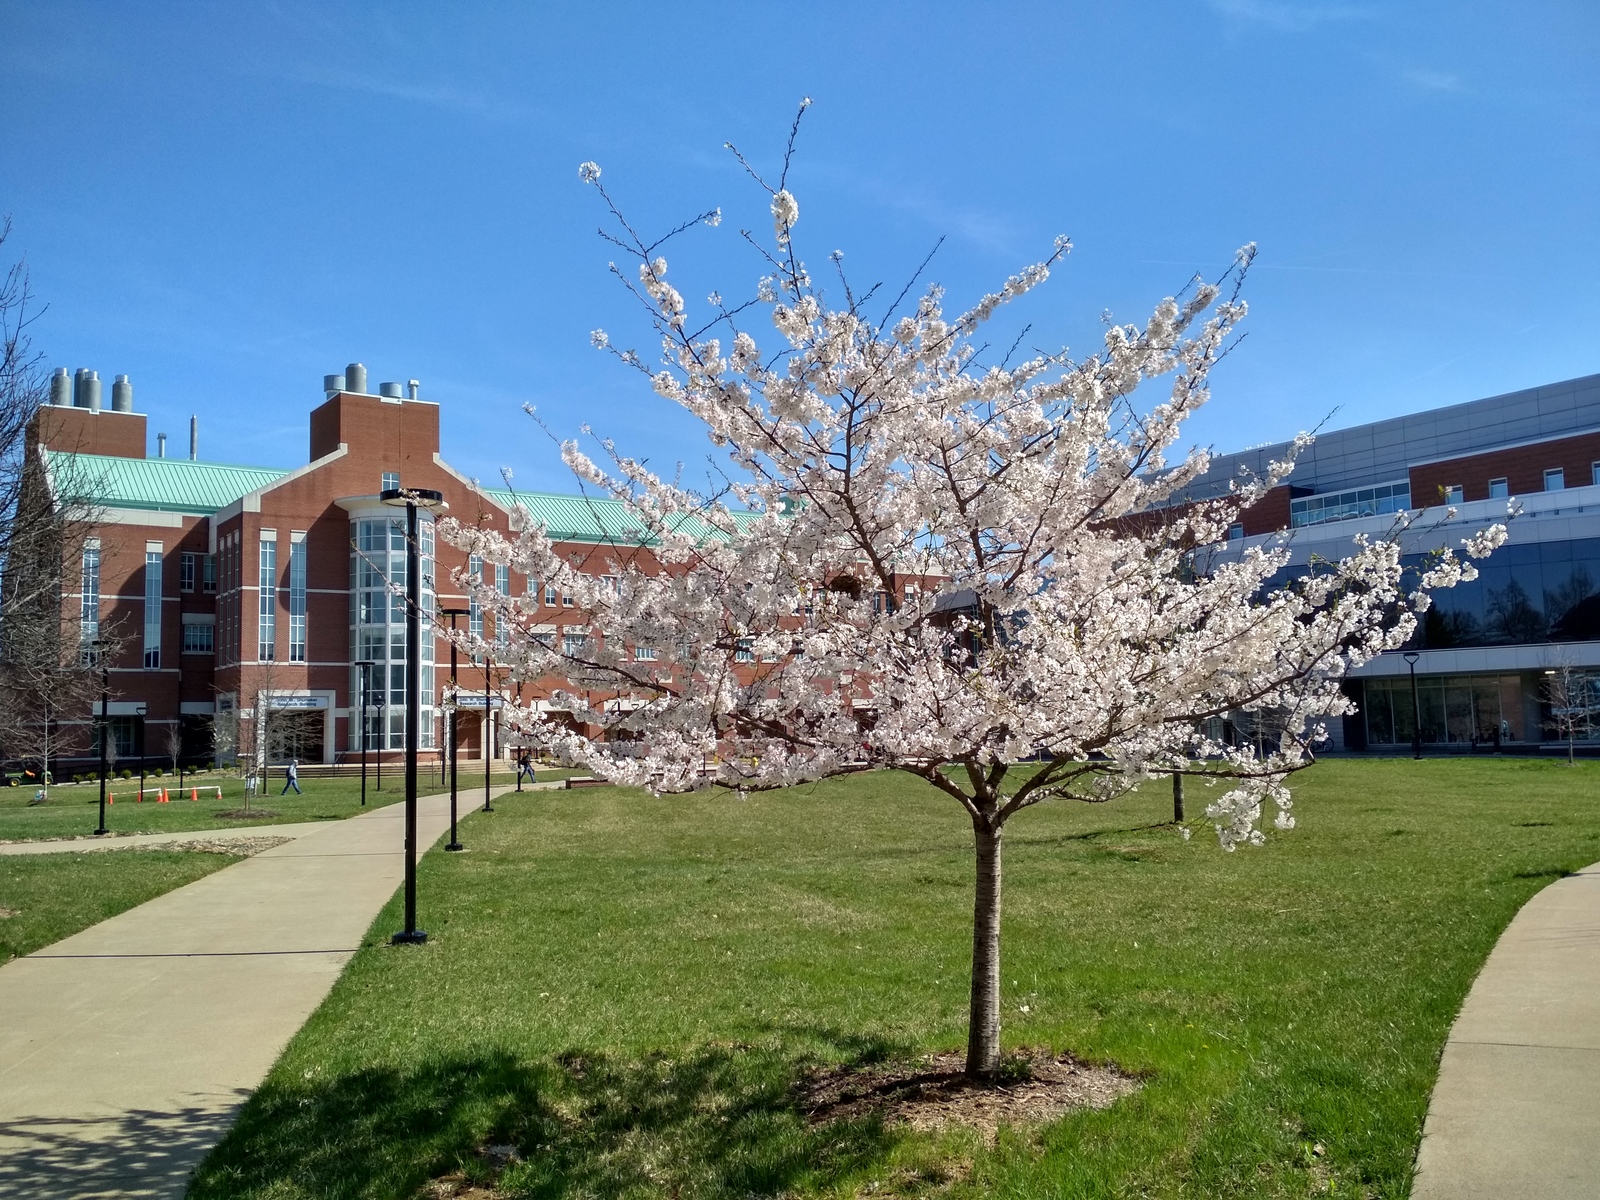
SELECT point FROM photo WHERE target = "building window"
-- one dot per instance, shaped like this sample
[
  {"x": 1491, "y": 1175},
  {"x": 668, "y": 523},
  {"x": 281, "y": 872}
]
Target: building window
[
  {"x": 572, "y": 643},
  {"x": 1594, "y": 472},
  {"x": 502, "y": 584},
  {"x": 208, "y": 573},
  {"x": 550, "y": 595},
  {"x": 378, "y": 581},
  {"x": 152, "y": 607},
  {"x": 390, "y": 481},
  {"x": 297, "y": 597},
  {"x": 742, "y": 652},
  {"x": 1453, "y": 494},
  {"x": 1347, "y": 506},
  {"x": 1555, "y": 479},
  {"x": 1236, "y": 532},
  {"x": 267, "y": 599},
  {"x": 1498, "y": 489},
  {"x": 89, "y": 609},
  {"x": 644, "y": 653},
  {"x": 474, "y": 609},
  {"x": 186, "y": 565},
  {"x": 197, "y": 639}
]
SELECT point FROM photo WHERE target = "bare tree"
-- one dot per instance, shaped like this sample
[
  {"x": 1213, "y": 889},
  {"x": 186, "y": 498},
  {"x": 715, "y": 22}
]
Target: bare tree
[
  {"x": 1570, "y": 693},
  {"x": 48, "y": 671}
]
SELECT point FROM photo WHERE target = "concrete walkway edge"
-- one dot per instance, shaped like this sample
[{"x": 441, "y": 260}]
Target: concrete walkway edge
[{"x": 1516, "y": 1110}]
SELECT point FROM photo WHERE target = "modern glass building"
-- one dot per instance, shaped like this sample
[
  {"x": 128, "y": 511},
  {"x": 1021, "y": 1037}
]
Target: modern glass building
[{"x": 1512, "y": 659}]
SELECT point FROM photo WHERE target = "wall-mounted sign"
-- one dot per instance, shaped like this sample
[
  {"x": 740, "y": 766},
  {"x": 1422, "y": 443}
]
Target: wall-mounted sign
[
  {"x": 468, "y": 700},
  {"x": 293, "y": 702}
]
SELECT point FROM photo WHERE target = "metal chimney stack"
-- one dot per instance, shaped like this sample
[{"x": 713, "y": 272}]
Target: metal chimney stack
[
  {"x": 61, "y": 388},
  {"x": 86, "y": 389},
  {"x": 413, "y": 389},
  {"x": 122, "y": 395},
  {"x": 161, "y": 445},
  {"x": 194, "y": 438},
  {"x": 355, "y": 379}
]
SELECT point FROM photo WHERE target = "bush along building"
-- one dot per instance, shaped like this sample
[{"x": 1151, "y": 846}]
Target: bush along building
[
  {"x": 250, "y": 609},
  {"x": 1511, "y": 660}
]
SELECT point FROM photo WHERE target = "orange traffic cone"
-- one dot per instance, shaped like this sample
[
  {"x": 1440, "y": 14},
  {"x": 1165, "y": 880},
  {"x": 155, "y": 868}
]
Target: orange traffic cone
[
  {"x": 162, "y": 798},
  {"x": 194, "y": 794},
  {"x": 111, "y": 797}
]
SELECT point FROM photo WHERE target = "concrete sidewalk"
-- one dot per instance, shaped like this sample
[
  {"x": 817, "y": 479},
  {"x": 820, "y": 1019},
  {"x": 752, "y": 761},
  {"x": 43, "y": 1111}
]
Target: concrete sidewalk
[
  {"x": 1516, "y": 1111},
  {"x": 126, "y": 1049}
]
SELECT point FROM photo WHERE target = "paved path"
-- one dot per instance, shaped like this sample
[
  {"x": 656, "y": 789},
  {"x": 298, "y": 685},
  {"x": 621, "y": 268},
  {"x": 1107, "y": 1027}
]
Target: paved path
[
  {"x": 126, "y": 1049},
  {"x": 1516, "y": 1111}
]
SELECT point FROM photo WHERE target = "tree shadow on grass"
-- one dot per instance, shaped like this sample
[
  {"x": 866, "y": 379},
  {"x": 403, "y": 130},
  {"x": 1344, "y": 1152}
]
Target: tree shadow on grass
[{"x": 717, "y": 1121}]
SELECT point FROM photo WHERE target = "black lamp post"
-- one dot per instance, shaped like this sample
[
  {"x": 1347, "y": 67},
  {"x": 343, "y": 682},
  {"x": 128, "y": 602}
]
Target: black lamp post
[
  {"x": 1411, "y": 657},
  {"x": 105, "y": 728},
  {"x": 366, "y": 665},
  {"x": 488, "y": 738},
  {"x": 453, "y": 613},
  {"x": 412, "y": 499}
]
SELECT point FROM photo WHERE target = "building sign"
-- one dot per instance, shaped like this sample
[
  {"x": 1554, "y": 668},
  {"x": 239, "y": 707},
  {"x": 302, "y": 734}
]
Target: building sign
[
  {"x": 297, "y": 702},
  {"x": 468, "y": 700}
]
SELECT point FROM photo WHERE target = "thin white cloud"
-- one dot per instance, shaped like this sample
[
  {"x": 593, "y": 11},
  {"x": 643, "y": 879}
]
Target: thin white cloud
[
  {"x": 1289, "y": 17},
  {"x": 1433, "y": 81},
  {"x": 434, "y": 95}
]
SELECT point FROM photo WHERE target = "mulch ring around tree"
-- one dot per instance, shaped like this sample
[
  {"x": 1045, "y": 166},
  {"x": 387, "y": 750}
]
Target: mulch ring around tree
[{"x": 933, "y": 1093}]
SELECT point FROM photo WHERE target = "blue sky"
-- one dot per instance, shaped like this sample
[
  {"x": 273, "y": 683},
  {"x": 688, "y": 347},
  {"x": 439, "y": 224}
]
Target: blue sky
[{"x": 228, "y": 202}]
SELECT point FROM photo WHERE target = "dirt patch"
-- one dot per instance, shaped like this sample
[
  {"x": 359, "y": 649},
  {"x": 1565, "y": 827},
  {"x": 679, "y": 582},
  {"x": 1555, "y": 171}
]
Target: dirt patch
[
  {"x": 241, "y": 814},
  {"x": 8, "y": 913},
  {"x": 457, "y": 1186},
  {"x": 245, "y": 847},
  {"x": 931, "y": 1093}
]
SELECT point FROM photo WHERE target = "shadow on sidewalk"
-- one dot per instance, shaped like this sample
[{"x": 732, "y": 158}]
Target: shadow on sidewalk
[{"x": 132, "y": 1154}]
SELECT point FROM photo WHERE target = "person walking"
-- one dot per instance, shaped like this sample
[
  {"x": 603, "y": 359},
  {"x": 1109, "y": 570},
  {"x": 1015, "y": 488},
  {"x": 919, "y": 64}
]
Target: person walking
[
  {"x": 525, "y": 763},
  {"x": 291, "y": 778}
]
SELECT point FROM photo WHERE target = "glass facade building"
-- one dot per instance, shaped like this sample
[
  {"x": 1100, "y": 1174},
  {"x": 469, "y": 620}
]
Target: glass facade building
[{"x": 378, "y": 627}]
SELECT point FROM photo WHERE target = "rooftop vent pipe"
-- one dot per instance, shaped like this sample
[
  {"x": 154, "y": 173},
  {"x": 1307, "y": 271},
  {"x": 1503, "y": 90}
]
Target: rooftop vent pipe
[
  {"x": 61, "y": 388},
  {"x": 86, "y": 389},
  {"x": 355, "y": 379},
  {"x": 161, "y": 445},
  {"x": 194, "y": 438},
  {"x": 122, "y": 395},
  {"x": 413, "y": 389},
  {"x": 332, "y": 385},
  {"x": 390, "y": 391}
]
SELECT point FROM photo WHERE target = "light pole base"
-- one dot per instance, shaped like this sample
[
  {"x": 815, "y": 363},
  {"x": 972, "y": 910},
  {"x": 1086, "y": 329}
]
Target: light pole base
[
  {"x": 408, "y": 937},
  {"x": 455, "y": 846}
]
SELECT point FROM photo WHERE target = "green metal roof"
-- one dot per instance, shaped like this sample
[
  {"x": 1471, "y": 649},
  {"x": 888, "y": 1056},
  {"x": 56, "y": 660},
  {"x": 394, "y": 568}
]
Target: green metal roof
[
  {"x": 589, "y": 519},
  {"x": 161, "y": 484}
]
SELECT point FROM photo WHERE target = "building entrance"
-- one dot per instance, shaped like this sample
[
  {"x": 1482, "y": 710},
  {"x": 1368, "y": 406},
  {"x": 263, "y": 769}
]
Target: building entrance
[{"x": 298, "y": 735}]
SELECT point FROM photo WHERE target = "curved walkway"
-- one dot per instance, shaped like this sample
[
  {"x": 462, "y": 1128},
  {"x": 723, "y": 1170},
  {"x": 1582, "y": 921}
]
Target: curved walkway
[
  {"x": 1516, "y": 1110},
  {"x": 126, "y": 1049}
]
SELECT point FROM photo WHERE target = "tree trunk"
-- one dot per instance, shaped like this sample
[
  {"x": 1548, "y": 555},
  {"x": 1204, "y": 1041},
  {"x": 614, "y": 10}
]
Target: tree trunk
[
  {"x": 983, "y": 1021},
  {"x": 1177, "y": 798}
]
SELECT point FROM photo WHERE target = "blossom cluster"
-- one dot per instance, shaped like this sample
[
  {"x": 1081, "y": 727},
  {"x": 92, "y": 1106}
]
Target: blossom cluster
[{"x": 925, "y": 564}]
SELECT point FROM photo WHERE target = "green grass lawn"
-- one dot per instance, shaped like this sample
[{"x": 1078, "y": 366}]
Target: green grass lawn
[
  {"x": 50, "y": 896},
  {"x": 625, "y": 988},
  {"x": 73, "y": 809}
]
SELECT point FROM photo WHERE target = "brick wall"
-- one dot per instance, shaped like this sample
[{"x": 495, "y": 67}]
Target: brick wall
[{"x": 1522, "y": 467}]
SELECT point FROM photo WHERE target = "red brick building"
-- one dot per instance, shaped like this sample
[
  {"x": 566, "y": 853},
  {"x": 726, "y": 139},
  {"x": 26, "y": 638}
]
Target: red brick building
[{"x": 226, "y": 588}]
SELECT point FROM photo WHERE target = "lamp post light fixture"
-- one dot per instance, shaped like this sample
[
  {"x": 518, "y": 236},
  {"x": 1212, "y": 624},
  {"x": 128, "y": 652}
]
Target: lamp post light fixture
[
  {"x": 411, "y": 499},
  {"x": 453, "y": 613},
  {"x": 105, "y": 729},
  {"x": 1411, "y": 657},
  {"x": 366, "y": 665}
]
